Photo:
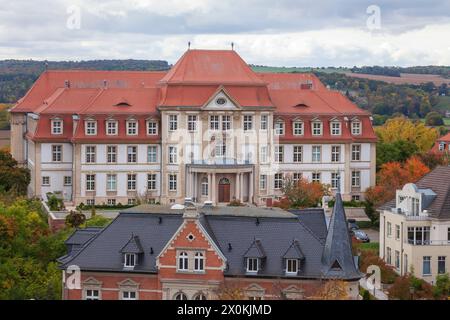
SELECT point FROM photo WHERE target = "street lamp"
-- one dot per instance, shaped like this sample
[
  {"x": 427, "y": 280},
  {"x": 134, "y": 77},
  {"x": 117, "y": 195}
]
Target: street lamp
[{"x": 411, "y": 292}]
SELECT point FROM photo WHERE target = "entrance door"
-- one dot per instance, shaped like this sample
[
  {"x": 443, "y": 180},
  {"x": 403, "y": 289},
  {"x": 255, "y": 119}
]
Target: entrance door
[{"x": 224, "y": 190}]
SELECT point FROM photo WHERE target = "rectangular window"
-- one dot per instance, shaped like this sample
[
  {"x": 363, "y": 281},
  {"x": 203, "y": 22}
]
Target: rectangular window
[
  {"x": 111, "y": 128},
  {"x": 248, "y": 123},
  {"x": 111, "y": 182},
  {"x": 172, "y": 182},
  {"x": 111, "y": 154},
  {"x": 334, "y": 180},
  {"x": 278, "y": 181},
  {"x": 316, "y": 153},
  {"x": 46, "y": 181},
  {"x": 397, "y": 259},
  {"x": 91, "y": 128},
  {"x": 441, "y": 265},
  {"x": 296, "y": 177},
  {"x": 419, "y": 236},
  {"x": 426, "y": 265},
  {"x": 152, "y": 128},
  {"x": 356, "y": 179},
  {"x": 173, "y": 122},
  {"x": 221, "y": 149},
  {"x": 226, "y": 123},
  {"x": 129, "y": 260},
  {"x": 264, "y": 121},
  {"x": 151, "y": 181},
  {"x": 356, "y": 152},
  {"x": 263, "y": 182},
  {"x": 129, "y": 295},
  {"x": 397, "y": 232},
  {"x": 132, "y": 128},
  {"x": 173, "y": 155},
  {"x": 152, "y": 154},
  {"x": 389, "y": 256},
  {"x": 131, "y": 182},
  {"x": 335, "y": 153},
  {"x": 57, "y": 127},
  {"x": 90, "y": 182},
  {"x": 192, "y": 123},
  {"x": 252, "y": 265},
  {"x": 279, "y": 154},
  {"x": 263, "y": 154},
  {"x": 389, "y": 229},
  {"x": 205, "y": 187},
  {"x": 315, "y": 177},
  {"x": 356, "y": 128},
  {"x": 292, "y": 266},
  {"x": 90, "y": 154},
  {"x": 335, "y": 128},
  {"x": 131, "y": 154},
  {"x": 131, "y": 201},
  {"x": 317, "y": 128},
  {"x": 90, "y": 202},
  {"x": 214, "y": 122},
  {"x": 298, "y": 128},
  {"x": 92, "y": 294},
  {"x": 298, "y": 151},
  {"x": 67, "y": 180},
  {"x": 279, "y": 128},
  {"x": 448, "y": 235},
  {"x": 57, "y": 153},
  {"x": 111, "y": 202}
]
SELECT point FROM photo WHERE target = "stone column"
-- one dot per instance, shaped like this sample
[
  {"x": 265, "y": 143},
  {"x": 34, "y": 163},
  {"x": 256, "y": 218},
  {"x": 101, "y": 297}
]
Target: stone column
[
  {"x": 213, "y": 188},
  {"x": 250, "y": 192},
  {"x": 237, "y": 187},
  {"x": 209, "y": 186}
]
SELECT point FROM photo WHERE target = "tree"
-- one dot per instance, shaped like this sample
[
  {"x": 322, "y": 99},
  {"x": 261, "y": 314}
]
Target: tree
[
  {"x": 401, "y": 128},
  {"x": 399, "y": 150},
  {"x": 442, "y": 287},
  {"x": 12, "y": 178},
  {"x": 332, "y": 290},
  {"x": 302, "y": 193},
  {"x": 230, "y": 292},
  {"x": 401, "y": 289},
  {"x": 75, "y": 219},
  {"x": 434, "y": 119}
]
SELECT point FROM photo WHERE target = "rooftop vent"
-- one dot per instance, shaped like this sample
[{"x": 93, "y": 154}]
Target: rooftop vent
[
  {"x": 66, "y": 84},
  {"x": 105, "y": 83}
]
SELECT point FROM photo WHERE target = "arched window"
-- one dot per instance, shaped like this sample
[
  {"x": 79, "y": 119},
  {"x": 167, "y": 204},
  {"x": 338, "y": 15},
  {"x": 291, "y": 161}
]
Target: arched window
[
  {"x": 183, "y": 261},
  {"x": 204, "y": 187},
  {"x": 180, "y": 296},
  {"x": 200, "y": 296},
  {"x": 199, "y": 262}
]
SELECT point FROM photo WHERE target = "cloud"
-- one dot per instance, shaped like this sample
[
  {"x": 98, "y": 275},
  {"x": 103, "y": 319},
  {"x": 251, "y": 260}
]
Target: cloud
[{"x": 284, "y": 32}]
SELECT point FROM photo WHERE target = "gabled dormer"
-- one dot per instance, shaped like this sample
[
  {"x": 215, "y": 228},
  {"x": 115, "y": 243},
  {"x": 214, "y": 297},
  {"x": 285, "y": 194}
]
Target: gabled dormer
[
  {"x": 221, "y": 100},
  {"x": 132, "y": 251},
  {"x": 254, "y": 257},
  {"x": 292, "y": 259},
  {"x": 412, "y": 201}
]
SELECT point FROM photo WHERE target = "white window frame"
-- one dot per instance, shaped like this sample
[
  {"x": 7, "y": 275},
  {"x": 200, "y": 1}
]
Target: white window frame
[
  {"x": 111, "y": 182},
  {"x": 173, "y": 122},
  {"x": 173, "y": 155},
  {"x": 113, "y": 129},
  {"x": 132, "y": 154},
  {"x": 297, "y": 128},
  {"x": 247, "y": 122},
  {"x": 90, "y": 154},
  {"x": 129, "y": 260},
  {"x": 67, "y": 180},
  {"x": 356, "y": 127},
  {"x": 278, "y": 181},
  {"x": 111, "y": 154},
  {"x": 316, "y": 177},
  {"x": 252, "y": 265},
  {"x": 46, "y": 181},
  {"x": 131, "y": 182},
  {"x": 264, "y": 124},
  {"x": 204, "y": 187},
  {"x": 152, "y": 128},
  {"x": 279, "y": 154},
  {"x": 279, "y": 128},
  {"x": 334, "y": 180},
  {"x": 151, "y": 181},
  {"x": 335, "y": 128},
  {"x": 173, "y": 182},
  {"x": 129, "y": 292},
  {"x": 316, "y": 154},
  {"x": 57, "y": 153},
  {"x": 199, "y": 262},
  {"x": 316, "y": 128},
  {"x": 57, "y": 129},
  {"x": 132, "y": 127},
  {"x": 292, "y": 263},
  {"x": 263, "y": 182},
  {"x": 214, "y": 122},
  {"x": 153, "y": 155},
  {"x": 335, "y": 154},
  {"x": 192, "y": 122},
  {"x": 89, "y": 294},
  {"x": 356, "y": 152},
  {"x": 183, "y": 261},
  {"x": 263, "y": 154},
  {"x": 356, "y": 179},
  {"x": 90, "y": 182},
  {"x": 226, "y": 122},
  {"x": 297, "y": 154},
  {"x": 90, "y": 127}
]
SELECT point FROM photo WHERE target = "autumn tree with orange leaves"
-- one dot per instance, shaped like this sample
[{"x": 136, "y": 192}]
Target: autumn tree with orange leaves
[{"x": 301, "y": 193}]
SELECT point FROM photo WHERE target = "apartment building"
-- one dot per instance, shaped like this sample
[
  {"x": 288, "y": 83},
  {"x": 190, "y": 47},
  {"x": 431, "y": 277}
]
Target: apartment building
[
  {"x": 208, "y": 129},
  {"x": 415, "y": 227}
]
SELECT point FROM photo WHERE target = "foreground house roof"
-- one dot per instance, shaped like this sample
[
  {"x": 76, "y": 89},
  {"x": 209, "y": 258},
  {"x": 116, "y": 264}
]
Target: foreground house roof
[
  {"x": 237, "y": 234},
  {"x": 438, "y": 181}
]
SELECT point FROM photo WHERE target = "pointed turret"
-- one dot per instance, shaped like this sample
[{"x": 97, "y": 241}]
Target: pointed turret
[{"x": 337, "y": 258}]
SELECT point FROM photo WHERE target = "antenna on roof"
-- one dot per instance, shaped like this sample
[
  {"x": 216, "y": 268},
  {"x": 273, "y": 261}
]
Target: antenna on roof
[
  {"x": 189, "y": 45},
  {"x": 232, "y": 46},
  {"x": 46, "y": 65}
]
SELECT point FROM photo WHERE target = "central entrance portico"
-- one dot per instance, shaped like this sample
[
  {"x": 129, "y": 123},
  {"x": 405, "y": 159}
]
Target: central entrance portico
[{"x": 220, "y": 183}]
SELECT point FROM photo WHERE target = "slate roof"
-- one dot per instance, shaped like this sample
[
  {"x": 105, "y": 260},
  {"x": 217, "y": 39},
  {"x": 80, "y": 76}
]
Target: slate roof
[
  {"x": 272, "y": 235},
  {"x": 133, "y": 246},
  {"x": 438, "y": 180},
  {"x": 314, "y": 219}
]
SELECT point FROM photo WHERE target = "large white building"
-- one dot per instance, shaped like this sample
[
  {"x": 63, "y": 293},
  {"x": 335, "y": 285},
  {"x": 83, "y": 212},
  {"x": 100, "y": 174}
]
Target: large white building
[{"x": 210, "y": 129}]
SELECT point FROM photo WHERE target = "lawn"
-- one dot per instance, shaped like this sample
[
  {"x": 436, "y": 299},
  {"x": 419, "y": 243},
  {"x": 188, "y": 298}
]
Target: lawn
[{"x": 371, "y": 246}]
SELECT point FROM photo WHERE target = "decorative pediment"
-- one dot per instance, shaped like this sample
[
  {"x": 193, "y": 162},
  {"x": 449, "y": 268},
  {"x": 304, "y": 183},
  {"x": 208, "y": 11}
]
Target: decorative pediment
[
  {"x": 254, "y": 287},
  {"x": 221, "y": 100},
  {"x": 127, "y": 283},
  {"x": 91, "y": 281},
  {"x": 132, "y": 246},
  {"x": 255, "y": 250},
  {"x": 316, "y": 119},
  {"x": 297, "y": 119},
  {"x": 335, "y": 119},
  {"x": 294, "y": 251}
]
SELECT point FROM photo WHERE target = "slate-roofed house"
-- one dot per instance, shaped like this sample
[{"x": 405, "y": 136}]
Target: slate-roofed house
[
  {"x": 415, "y": 226},
  {"x": 155, "y": 252}
]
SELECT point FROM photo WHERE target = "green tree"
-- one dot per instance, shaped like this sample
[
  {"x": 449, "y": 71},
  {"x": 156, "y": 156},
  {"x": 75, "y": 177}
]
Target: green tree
[
  {"x": 12, "y": 177},
  {"x": 442, "y": 286},
  {"x": 75, "y": 219},
  {"x": 399, "y": 150},
  {"x": 434, "y": 119}
]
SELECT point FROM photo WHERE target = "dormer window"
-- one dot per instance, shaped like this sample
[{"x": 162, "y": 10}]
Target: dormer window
[
  {"x": 132, "y": 127},
  {"x": 279, "y": 127},
  {"x": 297, "y": 128},
  {"x": 335, "y": 128},
  {"x": 316, "y": 128},
  {"x": 130, "y": 260},
  {"x": 252, "y": 265},
  {"x": 111, "y": 127},
  {"x": 91, "y": 128},
  {"x": 57, "y": 126},
  {"x": 356, "y": 127},
  {"x": 291, "y": 266},
  {"x": 152, "y": 128},
  {"x": 442, "y": 146}
]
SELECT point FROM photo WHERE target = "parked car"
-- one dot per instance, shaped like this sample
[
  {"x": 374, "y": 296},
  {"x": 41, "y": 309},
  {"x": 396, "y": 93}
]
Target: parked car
[
  {"x": 352, "y": 224},
  {"x": 359, "y": 235}
]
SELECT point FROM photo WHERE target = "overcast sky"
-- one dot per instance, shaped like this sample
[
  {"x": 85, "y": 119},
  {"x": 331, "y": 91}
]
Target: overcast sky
[{"x": 268, "y": 32}]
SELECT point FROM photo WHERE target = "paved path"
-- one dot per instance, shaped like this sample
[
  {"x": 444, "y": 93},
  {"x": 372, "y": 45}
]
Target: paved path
[{"x": 379, "y": 295}]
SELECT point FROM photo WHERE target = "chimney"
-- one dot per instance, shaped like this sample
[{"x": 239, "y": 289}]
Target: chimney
[
  {"x": 67, "y": 84},
  {"x": 190, "y": 210}
]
